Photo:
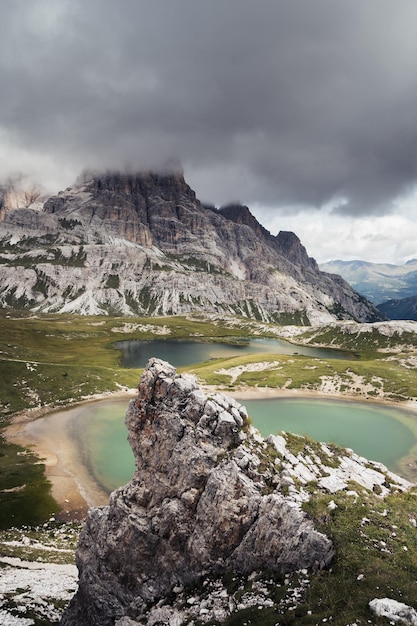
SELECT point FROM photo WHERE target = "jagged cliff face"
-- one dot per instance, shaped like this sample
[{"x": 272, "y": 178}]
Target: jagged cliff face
[
  {"x": 202, "y": 502},
  {"x": 143, "y": 244}
]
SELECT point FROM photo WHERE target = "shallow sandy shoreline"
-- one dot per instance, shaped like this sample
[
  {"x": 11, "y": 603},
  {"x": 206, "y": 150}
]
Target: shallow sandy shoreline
[
  {"x": 259, "y": 393},
  {"x": 73, "y": 487}
]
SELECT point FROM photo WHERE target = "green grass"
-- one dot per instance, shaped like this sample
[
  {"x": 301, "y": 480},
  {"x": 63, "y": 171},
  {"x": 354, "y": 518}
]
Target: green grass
[
  {"x": 25, "y": 494},
  {"x": 366, "y": 344},
  {"x": 370, "y": 535},
  {"x": 48, "y": 384},
  {"x": 88, "y": 341},
  {"x": 112, "y": 282},
  {"x": 300, "y": 372}
]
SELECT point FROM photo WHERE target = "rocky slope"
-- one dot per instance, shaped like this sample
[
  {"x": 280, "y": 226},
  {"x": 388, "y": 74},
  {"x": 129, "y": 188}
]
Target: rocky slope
[
  {"x": 144, "y": 244},
  {"x": 209, "y": 499}
]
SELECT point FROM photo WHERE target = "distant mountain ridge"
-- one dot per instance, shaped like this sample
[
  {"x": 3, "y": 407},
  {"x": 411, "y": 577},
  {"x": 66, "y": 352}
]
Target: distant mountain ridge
[
  {"x": 404, "y": 309},
  {"x": 378, "y": 282},
  {"x": 117, "y": 243}
]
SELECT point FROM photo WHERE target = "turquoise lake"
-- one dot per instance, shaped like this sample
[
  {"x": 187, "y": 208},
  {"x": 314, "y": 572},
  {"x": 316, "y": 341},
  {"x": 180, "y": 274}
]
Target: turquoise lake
[{"x": 371, "y": 430}]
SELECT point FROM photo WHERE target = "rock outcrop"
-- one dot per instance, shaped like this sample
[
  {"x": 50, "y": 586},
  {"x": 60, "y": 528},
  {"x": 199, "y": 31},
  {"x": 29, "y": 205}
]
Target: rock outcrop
[
  {"x": 206, "y": 499},
  {"x": 396, "y": 612},
  {"x": 144, "y": 244}
]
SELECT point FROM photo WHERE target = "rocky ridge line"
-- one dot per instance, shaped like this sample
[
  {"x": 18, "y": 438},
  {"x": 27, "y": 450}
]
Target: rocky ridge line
[{"x": 143, "y": 244}]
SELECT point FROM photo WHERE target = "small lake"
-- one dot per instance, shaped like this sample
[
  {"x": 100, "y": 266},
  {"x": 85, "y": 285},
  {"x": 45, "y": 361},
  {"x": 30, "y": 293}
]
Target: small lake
[
  {"x": 374, "y": 431},
  {"x": 371, "y": 430},
  {"x": 182, "y": 352}
]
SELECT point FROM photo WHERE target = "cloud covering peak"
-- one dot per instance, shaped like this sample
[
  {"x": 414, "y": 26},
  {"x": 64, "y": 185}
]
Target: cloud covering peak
[{"x": 300, "y": 104}]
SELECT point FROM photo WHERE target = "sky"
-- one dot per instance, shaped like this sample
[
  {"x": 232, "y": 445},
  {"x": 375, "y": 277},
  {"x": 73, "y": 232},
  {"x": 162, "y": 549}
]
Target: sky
[{"x": 304, "y": 110}]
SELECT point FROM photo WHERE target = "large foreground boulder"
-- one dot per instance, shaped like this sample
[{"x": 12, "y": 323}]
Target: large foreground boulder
[{"x": 206, "y": 499}]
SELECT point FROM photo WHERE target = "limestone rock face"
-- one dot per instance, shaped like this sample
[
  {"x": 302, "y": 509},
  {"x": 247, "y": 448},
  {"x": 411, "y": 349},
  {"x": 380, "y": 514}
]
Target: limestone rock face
[
  {"x": 205, "y": 500},
  {"x": 290, "y": 246},
  {"x": 143, "y": 244}
]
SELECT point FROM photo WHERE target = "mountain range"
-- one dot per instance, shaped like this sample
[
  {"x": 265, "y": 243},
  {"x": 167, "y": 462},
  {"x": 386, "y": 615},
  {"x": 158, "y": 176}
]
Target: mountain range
[
  {"x": 143, "y": 244},
  {"x": 378, "y": 282}
]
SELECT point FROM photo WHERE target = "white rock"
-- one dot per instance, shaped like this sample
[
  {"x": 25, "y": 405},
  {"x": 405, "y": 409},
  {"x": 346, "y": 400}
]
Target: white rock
[
  {"x": 332, "y": 483},
  {"x": 303, "y": 473},
  {"x": 279, "y": 443},
  {"x": 393, "y": 610},
  {"x": 10, "y": 620}
]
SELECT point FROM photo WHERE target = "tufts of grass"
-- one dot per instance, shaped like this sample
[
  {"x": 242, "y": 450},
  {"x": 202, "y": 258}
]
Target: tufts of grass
[
  {"x": 376, "y": 555},
  {"x": 368, "y": 344},
  {"x": 53, "y": 542},
  {"x": 55, "y": 385},
  {"x": 25, "y": 494},
  {"x": 113, "y": 282},
  {"x": 300, "y": 372}
]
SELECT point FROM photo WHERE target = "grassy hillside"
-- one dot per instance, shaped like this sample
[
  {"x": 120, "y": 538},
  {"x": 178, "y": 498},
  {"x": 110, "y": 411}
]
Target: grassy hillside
[{"x": 52, "y": 360}]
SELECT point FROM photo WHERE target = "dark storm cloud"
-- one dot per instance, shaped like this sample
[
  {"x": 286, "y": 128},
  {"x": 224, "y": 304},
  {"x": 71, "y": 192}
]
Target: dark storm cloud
[{"x": 285, "y": 103}]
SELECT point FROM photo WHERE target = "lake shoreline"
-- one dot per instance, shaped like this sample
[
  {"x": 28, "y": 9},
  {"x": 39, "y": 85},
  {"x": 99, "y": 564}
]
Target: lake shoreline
[{"x": 73, "y": 486}]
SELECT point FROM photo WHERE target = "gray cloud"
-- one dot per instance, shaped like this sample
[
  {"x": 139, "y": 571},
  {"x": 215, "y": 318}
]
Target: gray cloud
[{"x": 283, "y": 103}]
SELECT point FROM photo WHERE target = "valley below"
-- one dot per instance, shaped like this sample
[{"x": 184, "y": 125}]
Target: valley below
[
  {"x": 52, "y": 362},
  {"x": 72, "y": 360}
]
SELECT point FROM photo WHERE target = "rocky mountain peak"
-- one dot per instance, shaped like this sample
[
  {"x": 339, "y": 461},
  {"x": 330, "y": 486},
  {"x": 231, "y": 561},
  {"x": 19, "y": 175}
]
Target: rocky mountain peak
[
  {"x": 169, "y": 186},
  {"x": 142, "y": 243},
  {"x": 240, "y": 214},
  {"x": 286, "y": 243},
  {"x": 113, "y": 187},
  {"x": 205, "y": 500},
  {"x": 130, "y": 206},
  {"x": 290, "y": 245}
]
